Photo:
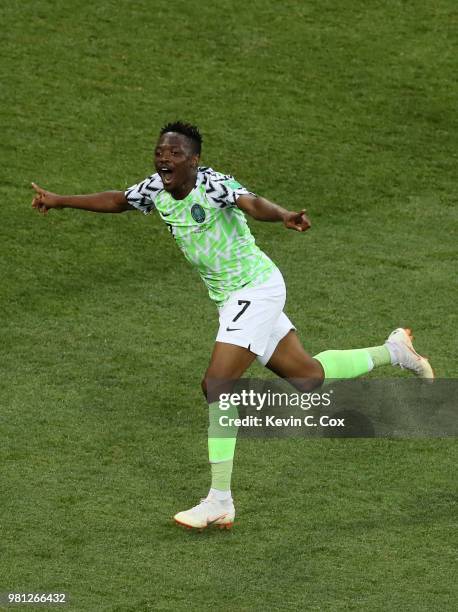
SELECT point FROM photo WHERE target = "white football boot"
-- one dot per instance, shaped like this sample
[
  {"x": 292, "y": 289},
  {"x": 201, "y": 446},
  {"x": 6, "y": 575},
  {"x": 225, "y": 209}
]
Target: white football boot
[
  {"x": 210, "y": 512},
  {"x": 399, "y": 343}
]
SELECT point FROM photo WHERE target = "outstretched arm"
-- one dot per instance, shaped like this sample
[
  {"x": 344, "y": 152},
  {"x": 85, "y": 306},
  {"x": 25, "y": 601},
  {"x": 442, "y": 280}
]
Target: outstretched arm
[
  {"x": 263, "y": 210},
  {"x": 104, "y": 202}
]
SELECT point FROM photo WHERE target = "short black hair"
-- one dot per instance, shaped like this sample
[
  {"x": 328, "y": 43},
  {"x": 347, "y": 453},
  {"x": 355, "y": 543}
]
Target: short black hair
[{"x": 188, "y": 130}]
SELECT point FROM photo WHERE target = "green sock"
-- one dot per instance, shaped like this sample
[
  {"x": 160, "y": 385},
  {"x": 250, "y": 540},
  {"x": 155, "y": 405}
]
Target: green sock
[
  {"x": 352, "y": 363},
  {"x": 380, "y": 355},
  {"x": 221, "y": 446},
  {"x": 221, "y": 475}
]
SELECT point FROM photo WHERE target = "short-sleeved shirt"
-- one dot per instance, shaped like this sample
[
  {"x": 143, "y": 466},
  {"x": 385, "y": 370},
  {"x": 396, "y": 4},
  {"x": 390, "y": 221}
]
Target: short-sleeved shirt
[{"x": 210, "y": 230}]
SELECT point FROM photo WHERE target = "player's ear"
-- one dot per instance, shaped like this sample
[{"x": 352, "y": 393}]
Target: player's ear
[{"x": 195, "y": 160}]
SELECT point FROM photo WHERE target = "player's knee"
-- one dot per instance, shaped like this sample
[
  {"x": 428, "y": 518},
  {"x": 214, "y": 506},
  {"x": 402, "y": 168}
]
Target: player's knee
[
  {"x": 212, "y": 386},
  {"x": 305, "y": 384},
  {"x": 204, "y": 386},
  {"x": 310, "y": 376}
]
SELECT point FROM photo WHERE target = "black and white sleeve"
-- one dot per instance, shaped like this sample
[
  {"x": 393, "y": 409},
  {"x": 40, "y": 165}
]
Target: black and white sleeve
[
  {"x": 142, "y": 195},
  {"x": 223, "y": 189}
]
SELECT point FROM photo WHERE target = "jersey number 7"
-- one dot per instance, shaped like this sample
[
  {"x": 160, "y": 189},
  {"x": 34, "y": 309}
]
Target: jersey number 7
[{"x": 245, "y": 303}]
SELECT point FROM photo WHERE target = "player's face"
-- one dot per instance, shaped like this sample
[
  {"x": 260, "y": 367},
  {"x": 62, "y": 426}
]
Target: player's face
[{"x": 176, "y": 164}]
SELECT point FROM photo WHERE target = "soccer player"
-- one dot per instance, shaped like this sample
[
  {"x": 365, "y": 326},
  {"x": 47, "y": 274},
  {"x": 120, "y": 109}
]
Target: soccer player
[{"x": 205, "y": 213}]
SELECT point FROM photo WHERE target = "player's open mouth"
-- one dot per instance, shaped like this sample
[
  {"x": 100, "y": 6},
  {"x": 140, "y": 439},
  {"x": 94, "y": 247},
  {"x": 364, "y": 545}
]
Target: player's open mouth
[{"x": 166, "y": 175}]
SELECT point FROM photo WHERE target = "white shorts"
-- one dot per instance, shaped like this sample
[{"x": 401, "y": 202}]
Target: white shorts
[{"x": 254, "y": 317}]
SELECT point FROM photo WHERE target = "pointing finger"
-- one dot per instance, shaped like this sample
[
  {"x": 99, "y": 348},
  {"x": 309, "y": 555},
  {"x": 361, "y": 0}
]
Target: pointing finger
[{"x": 38, "y": 189}]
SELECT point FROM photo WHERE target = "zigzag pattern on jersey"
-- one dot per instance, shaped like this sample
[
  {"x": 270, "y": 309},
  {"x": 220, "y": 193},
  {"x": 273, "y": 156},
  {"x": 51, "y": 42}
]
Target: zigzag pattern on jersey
[
  {"x": 143, "y": 195},
  {"x": 215, "y": 189},
  {"x": 145, "y": 192}
]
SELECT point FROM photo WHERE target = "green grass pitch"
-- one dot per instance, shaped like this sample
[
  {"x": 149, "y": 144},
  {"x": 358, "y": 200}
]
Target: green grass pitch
[{"x": 345, "y": 108}]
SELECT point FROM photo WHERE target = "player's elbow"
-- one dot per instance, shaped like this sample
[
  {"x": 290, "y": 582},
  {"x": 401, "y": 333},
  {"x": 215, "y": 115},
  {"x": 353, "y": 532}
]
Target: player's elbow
[
  {"x": 251, "y": 206},
  {"x": 119, "y": 202}
]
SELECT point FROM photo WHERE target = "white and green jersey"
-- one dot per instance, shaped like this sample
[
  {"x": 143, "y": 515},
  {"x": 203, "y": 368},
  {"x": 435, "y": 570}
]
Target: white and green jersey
[{"x": 210, "y": 230}]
